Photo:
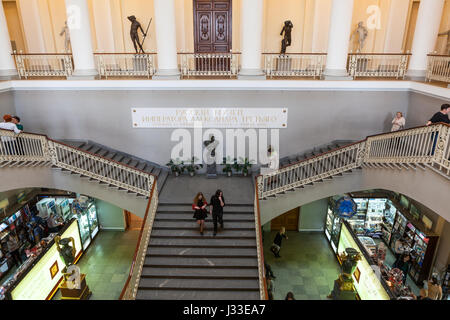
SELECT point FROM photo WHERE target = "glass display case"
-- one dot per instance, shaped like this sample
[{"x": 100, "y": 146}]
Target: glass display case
[
  {"x": 333, "y": 228},
  {"x": 388, "y": 221},
  {"x": 375, "y": 214},
  {"x": 93, "y": 220},
  {"x": 357, "y": 222},
  {"x": 83, "y": 222}
]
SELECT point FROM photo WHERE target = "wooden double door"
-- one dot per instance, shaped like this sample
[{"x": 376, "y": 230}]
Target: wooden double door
[
  {"x": 212, "y": 33},
  {"x": 289, "y": 220}
]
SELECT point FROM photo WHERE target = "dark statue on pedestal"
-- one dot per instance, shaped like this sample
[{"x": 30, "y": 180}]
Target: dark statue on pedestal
[
  {"x": 343, "y": 286},
  {"x": 135, "y": 25},
  {"x": 286, "y": 42},
  {"x": 211, "y": 171},
  {"x": 73, "y": 286}
]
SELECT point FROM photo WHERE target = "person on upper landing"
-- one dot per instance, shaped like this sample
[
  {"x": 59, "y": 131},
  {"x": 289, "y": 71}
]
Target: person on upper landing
[
  {"x": 441, "y": 116},
  {"x": 16, "y": 121},
  {"x": 8, "y": 124},
  {"x": 398, "y": 123}
]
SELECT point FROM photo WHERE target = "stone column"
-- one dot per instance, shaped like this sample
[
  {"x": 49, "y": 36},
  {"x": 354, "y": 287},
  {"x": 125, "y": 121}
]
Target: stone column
[
  {"x": 425, "y": 35},
  {"x": 166, "y": 40},
  {"x": 7, "y": 66},
  {"x": 338, "y": 40},
  {"x": 81, "y": 39},
  {"x": 251, "y": 39}
]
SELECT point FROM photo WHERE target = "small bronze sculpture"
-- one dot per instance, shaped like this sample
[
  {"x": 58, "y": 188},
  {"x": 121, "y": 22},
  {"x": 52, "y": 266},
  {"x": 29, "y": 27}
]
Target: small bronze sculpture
[
  {"x": 135, "y": 25},
  {"x": 66, "y": 252},
  {"x": 211, "y": 171},
  {"x": 362, "y": 33},
  {"x": 286, "y": 42}
]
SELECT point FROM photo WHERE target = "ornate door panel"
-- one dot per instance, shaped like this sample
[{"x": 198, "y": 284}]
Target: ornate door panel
[{"x": 212, "y": 26}]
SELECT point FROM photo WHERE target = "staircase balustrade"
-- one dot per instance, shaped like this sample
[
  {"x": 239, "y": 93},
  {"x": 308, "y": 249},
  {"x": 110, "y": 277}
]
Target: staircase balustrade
[
  {"x": 378, "y": 65},
  {"x": 126, "y": 64},
  {"x": 438, "y": 68},
  {"x": 294, "y": 64},
  {"x": 421, "y": 147},
  {"x": 43, "y": 64},
  {"x": 131, "y": 286}
]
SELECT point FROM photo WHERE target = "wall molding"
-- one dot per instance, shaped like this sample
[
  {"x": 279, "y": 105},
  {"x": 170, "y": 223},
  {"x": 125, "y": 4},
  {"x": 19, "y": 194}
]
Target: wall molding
[{"x": 239, "y": 85}]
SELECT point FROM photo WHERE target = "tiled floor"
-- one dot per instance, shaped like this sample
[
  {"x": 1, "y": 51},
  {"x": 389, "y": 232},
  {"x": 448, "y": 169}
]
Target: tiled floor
[
  {"x": 107, "y": 262},
  {"x": 307, "y": 266}
]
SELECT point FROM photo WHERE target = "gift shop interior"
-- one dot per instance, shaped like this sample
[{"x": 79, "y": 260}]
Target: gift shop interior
[
  {"x": 384, "y": 228},
  {"x": 31, "y": 220}
]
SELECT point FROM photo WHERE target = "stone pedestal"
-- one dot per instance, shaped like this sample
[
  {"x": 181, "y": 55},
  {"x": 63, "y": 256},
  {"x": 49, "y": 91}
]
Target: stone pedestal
[{"x": 75, "y": 294}]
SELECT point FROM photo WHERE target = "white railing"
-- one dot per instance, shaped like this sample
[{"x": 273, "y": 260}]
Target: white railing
[
  {"x": 294, "y": 64},
  {"x": 43, "y": 64},
  {"x": 438, "y": 68},
  {"x": 125, "y": 64},
  {"x": 130, "y": 288},
  {"x": 378, "y": 65},
  {"x": 263, "y": 294},
  {"x": 209, "y": 64},
  {"x": 422, "y": 146}
]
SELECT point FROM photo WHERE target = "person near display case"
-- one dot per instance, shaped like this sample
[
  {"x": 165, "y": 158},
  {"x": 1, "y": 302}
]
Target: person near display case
[
  {"x": 400, "y": 247},
  {"x": 13, "y": 249},
  {"x": 54, "y": 224},
  {"x": 403, "y": 264}
]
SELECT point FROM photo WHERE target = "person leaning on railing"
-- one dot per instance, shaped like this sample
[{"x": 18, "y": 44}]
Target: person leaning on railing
[
  {"x": 441, "y": 116},
  {"x": 8, "y": 143}
]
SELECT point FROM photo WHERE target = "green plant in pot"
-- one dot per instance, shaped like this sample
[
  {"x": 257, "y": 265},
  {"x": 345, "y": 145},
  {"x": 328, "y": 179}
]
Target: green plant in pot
[
  {"x": 176, "y": 166},
  {"x": 191, "y": 167},
  {"x": 227, "y": 166},
  {"x": 236, "y": 166},
  {"x": 245, "y": 165}
]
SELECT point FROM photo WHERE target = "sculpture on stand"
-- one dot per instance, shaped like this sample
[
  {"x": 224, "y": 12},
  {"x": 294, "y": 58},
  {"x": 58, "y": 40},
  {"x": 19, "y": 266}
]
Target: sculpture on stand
[
  {"x": 65, "y": 31},
  {"x": 73, "y": 286},
  {"x": 211, "y": 144},
  {"x": 287, "y": 29},
  {"x": 446, "y": 33},
  {"x": 343, "y": 286},
  {"x": 362, "y": 33},
  {"x": 135, "y": 26}
]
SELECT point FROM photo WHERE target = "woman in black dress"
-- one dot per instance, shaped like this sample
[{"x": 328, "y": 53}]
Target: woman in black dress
[{"x": 200, "y": 213}]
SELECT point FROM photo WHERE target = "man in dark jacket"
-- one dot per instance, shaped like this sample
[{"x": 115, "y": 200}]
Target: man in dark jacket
[
  {"x": 441, "y": 116},
  {"x": 216, "y": 207},
  {"x": 276, "y": 246}
]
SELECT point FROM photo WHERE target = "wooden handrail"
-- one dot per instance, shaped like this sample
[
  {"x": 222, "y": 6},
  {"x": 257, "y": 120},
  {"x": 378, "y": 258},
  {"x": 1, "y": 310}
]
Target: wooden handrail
[
  {"x": 438, "y": 55},
  {"x": 133, "y": 263},
  {"x": 41, "y": 54},
  {"x": 260, "y": 240},
  {"x": 353, "y": 143},
  {"x": 379, "y": 54},
  {"x": 299, "y": 53},
  {"x": 128, "y": 53},
  {"x": 208, "y": 52}
]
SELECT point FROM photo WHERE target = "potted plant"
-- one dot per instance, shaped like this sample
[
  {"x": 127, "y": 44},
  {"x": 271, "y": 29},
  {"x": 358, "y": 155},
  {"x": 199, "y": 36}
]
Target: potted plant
[
  {"x": 227, "y": 166},
  {"x": 246, "y": 165},
  {"x": 192, "y": 167},
  {"x": 176, "y": 166},
  {"x": 237, "y": 166}
]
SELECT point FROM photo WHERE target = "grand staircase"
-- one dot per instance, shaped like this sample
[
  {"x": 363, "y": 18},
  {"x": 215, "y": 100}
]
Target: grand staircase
[
  {"x": 182, "y": 264},
  {"x": 121, "y": 157}
]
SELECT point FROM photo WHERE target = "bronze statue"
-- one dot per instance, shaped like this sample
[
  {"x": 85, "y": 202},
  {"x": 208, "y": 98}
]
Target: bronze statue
[
  {"x": 343, "y": 286},
  {"x": 135, "y": 25},
  {"x": 66, "y": 252},
  {"x": 211, "y": 171},
  {"x": 286, "y": 42}
]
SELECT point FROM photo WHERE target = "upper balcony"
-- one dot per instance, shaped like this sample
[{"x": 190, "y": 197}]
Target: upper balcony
[{"x": 226, "y": 39}]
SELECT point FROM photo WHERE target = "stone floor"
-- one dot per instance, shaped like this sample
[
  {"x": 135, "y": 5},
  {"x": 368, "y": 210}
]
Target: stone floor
[
  {"x": 307, "y": 266},
  {"x": 107, "y": 263}
]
